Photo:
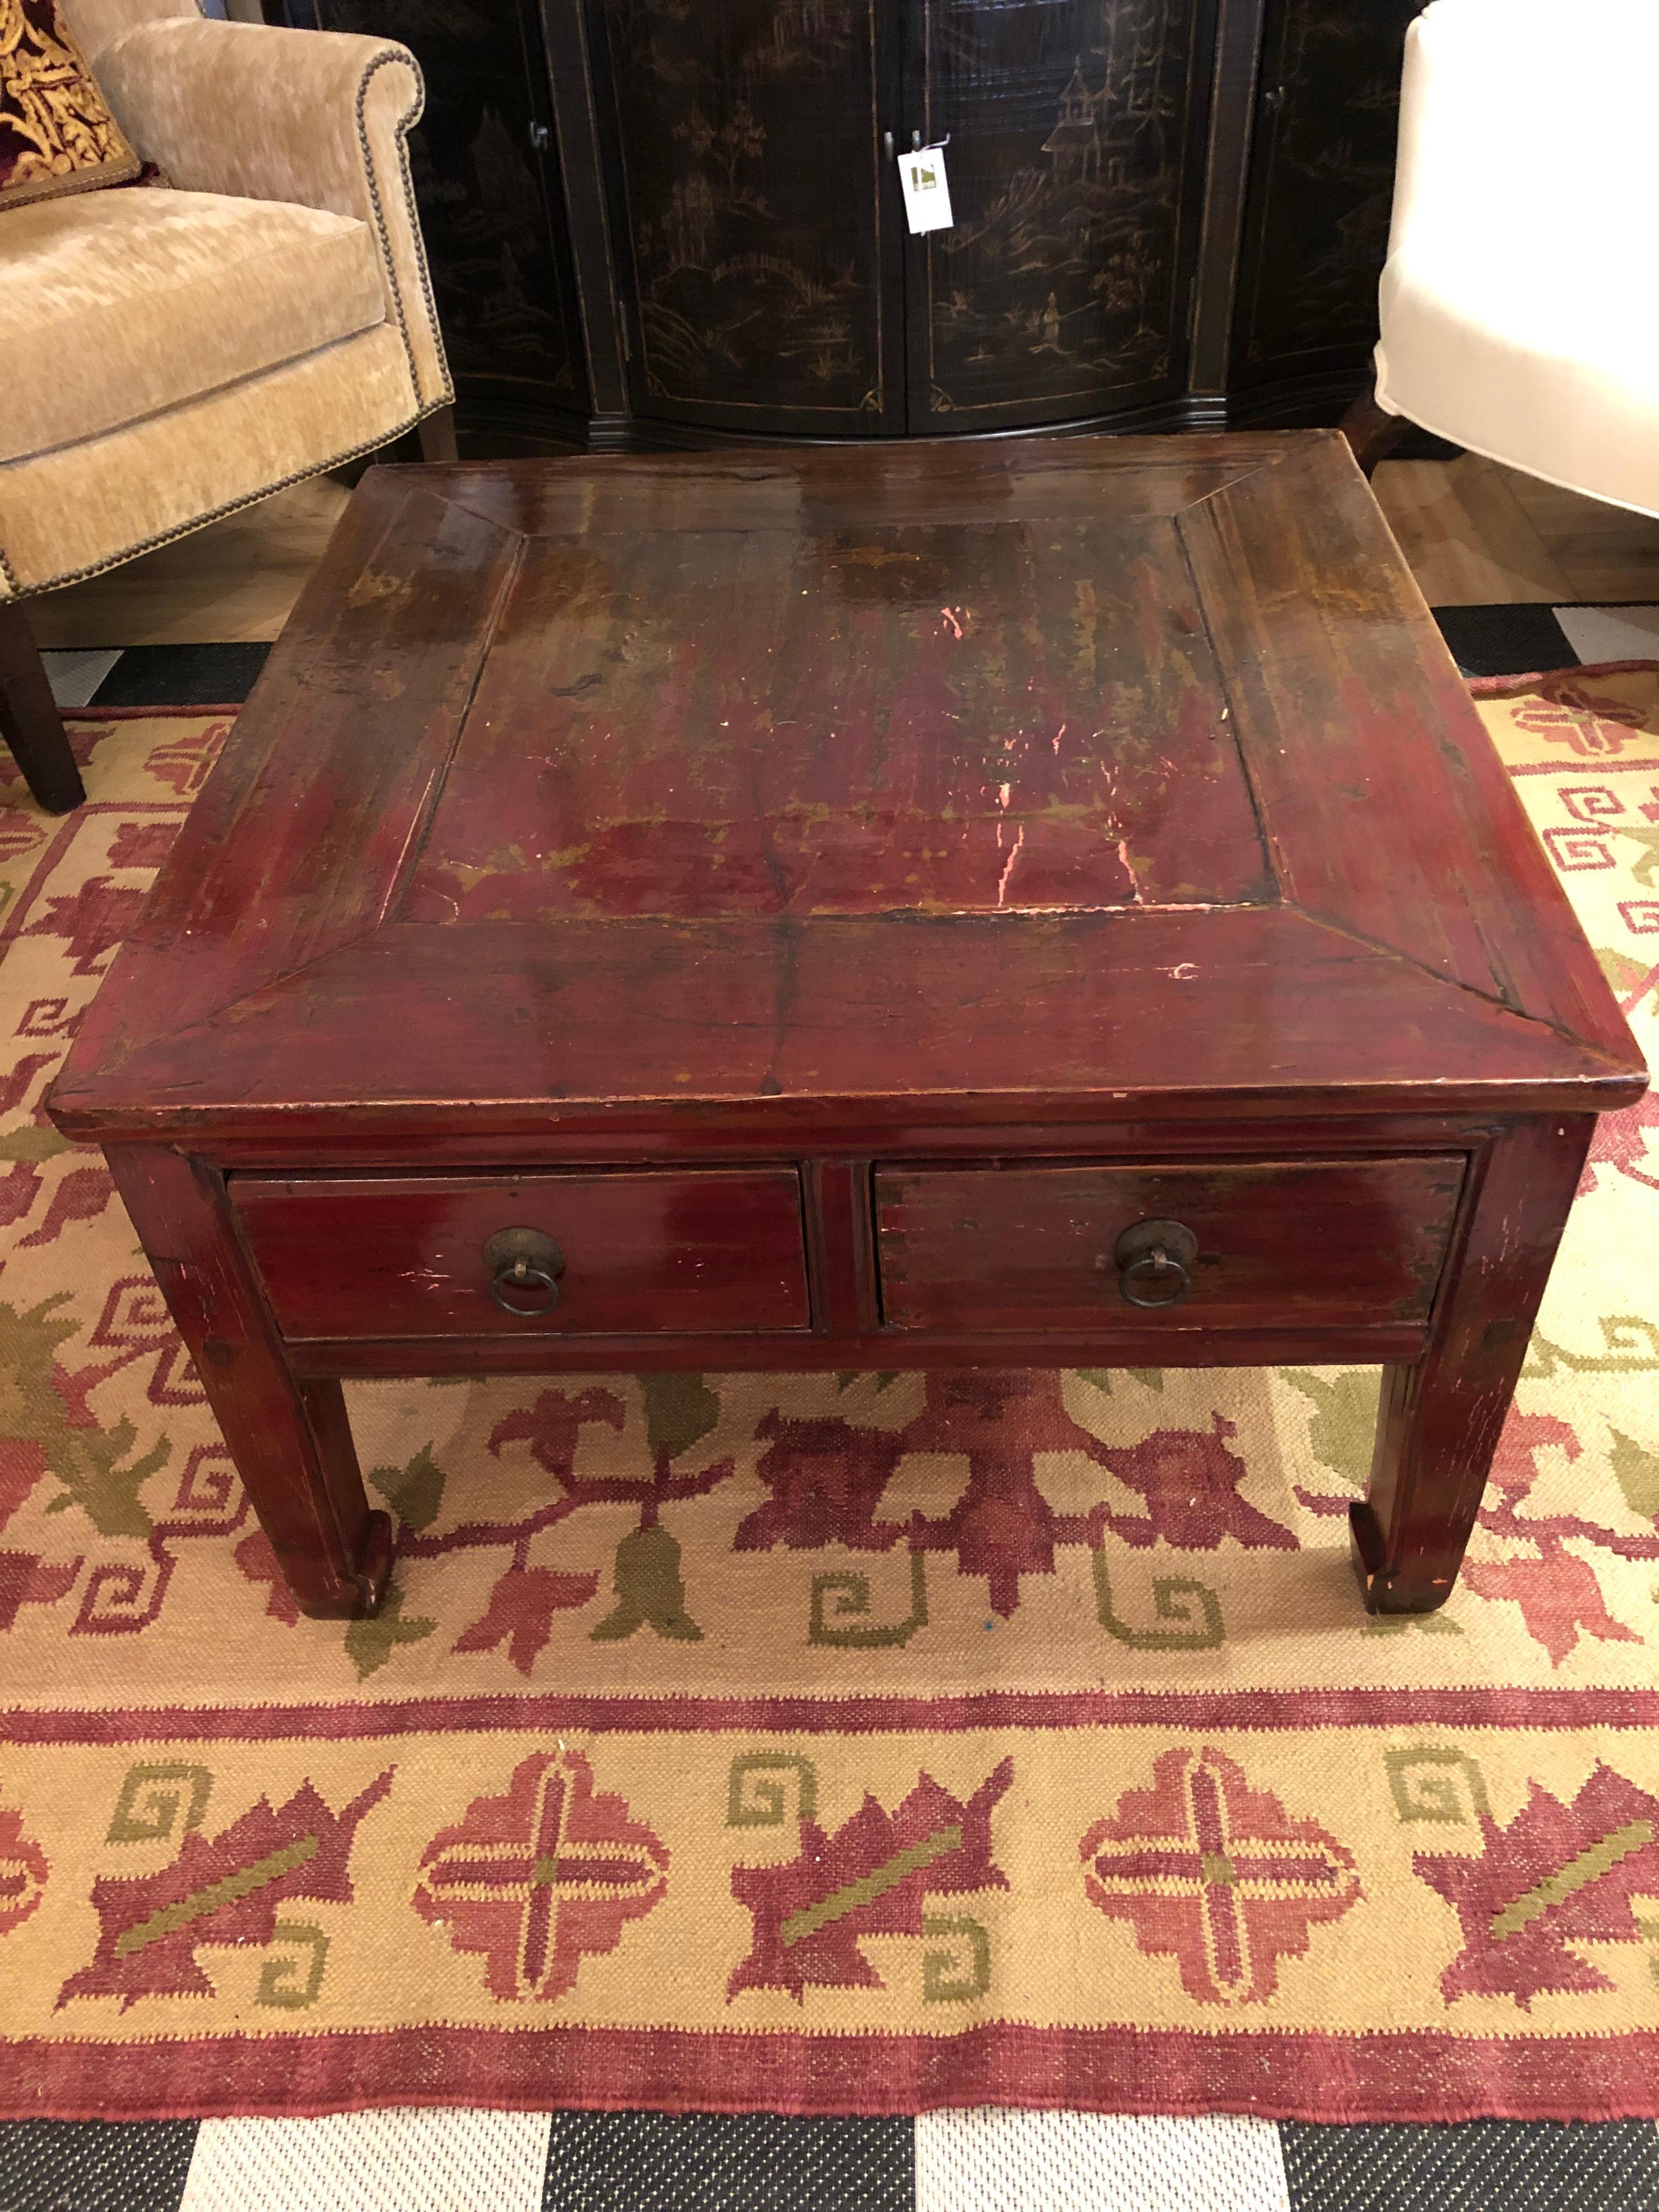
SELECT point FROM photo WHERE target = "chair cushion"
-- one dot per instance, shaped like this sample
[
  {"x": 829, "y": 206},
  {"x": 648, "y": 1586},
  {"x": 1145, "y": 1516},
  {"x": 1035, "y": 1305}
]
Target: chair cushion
[
  {"x": 57, "y": 133},
  {"x": 121, "y": 304},
  {"x": 1519, "y": 314},
  {"x": 1561, "y": 381}
]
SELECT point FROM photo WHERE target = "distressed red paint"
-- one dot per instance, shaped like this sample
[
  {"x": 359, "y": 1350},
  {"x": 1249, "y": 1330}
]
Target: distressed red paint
[{"x": 698, "y": 862}]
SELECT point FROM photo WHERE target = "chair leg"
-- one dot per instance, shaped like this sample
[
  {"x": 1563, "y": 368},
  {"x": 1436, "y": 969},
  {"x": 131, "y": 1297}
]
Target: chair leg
[
  {"x": 1371, "y": 430},
  {"x": 437, "y": 436},
  {"x": 29, "y": 721}
]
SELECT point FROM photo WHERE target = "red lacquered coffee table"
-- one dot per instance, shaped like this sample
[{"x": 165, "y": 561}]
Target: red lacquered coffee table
[{"x": 1043, "y": 901}]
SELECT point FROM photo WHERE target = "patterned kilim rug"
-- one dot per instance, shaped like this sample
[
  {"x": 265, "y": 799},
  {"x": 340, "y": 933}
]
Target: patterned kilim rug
[{"x": 860, "y": 1743}]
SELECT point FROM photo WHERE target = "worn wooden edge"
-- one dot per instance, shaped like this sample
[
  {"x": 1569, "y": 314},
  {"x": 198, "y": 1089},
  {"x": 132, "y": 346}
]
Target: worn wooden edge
[
  {"x": 1490, "y": 913},
  {"x": 1111, "y": 1345},
  {"x": 755, "y": 490},
  {"x": 898, "y": 462},
  {"x": 731, "y": 983},
  {"x": 222, "y": 916},
  {"x": 1257, "y": 1130},
  {"x": 187, "y": 1089},
  {"x": 1618, "y": 1054},
  {"x": 249, "y": 1074}
]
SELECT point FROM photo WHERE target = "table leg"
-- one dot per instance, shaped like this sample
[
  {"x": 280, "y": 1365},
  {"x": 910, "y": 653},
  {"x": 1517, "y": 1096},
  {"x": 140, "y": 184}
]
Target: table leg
[
  {"x": 1441, "y": 1419},
  {"x": 287, "y": 1434}
]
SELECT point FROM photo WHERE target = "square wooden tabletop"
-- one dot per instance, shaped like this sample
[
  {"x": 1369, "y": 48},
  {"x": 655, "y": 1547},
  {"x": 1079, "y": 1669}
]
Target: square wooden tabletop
[{"x": 1025, "y": 778}]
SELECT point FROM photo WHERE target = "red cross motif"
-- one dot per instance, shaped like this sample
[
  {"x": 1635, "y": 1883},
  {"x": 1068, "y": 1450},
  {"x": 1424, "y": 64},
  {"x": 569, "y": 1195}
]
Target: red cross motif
[
  {"x": 1566, "y": 713},
  {"x": 542, "y": 1877},
  {"x": 22, "y": 1872},
  {"x": 1217, "y": 1874}
]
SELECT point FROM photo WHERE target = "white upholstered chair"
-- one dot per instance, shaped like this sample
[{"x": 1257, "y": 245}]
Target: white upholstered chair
[{"x": 1520, "y": 309}]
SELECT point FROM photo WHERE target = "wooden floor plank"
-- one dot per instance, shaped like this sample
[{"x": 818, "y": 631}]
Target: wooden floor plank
[
  {"x": 1473, "y": 532},
  {"x": 234, "y": 582},
  {"x": 1606, "y": 553},
  {"x": 1469, "y": 539}
]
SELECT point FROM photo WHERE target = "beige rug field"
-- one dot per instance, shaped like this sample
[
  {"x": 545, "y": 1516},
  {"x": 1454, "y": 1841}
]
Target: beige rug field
[{"x": 837, "y": 1743}]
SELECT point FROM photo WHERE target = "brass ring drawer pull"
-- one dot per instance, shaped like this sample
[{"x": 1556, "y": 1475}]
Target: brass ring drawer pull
[
  {"x": 1154, "y": 1262},
  {"x": 523, "y": 1265}
]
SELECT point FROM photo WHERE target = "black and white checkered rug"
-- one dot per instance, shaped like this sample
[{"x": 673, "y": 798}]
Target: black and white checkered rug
[
  {"x": 977, "y": 2161},
  {"x": 154, "y": 675},
  {"x": 421, "y": 2161},
  {"x": 1518, "y": 641}
]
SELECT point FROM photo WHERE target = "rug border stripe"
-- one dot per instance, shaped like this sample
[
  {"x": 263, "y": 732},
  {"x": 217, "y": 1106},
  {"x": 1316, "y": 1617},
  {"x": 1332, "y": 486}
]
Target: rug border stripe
[
  {"x": 171, "y": 712},
  {"x": 829, "y": 1714},
  {"x": 1419, "y": 2076},
  {"x": 1579, "y": 763}
]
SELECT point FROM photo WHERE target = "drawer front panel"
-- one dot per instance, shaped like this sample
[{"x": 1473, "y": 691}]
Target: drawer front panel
[
  {"x": 645, "y": 1254},
  {"x": 1024, "y": 1249}
]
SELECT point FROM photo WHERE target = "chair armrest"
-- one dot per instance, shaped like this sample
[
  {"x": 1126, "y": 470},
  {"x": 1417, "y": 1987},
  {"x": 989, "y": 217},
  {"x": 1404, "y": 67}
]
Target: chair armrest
[{"x": 321, "y": 117}]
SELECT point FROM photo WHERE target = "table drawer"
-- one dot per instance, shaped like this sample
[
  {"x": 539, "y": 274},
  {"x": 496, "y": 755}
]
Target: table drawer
[
  {"x": 645, "y": 1254},
  {"x": 1025, "y": 1249}
]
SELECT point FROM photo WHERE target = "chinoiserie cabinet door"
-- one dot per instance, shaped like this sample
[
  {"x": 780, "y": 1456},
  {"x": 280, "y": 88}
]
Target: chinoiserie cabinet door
[
  {"x": 485, "y": 171},
  {"x": 1075, "y": 160},
  {"x": 758, "y": 254},
  {"x": 1321, "y": 191}
]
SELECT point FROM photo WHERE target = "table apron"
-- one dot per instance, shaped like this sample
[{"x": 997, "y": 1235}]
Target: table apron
[{"x": 810, "y": 1350}]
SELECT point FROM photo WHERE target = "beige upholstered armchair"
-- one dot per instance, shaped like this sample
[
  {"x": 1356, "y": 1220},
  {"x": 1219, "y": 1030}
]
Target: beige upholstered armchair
[{"x": 170, "y": 353}]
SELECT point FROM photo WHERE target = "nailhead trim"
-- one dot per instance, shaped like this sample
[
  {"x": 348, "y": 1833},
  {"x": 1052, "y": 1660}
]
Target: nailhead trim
[
  {"x": 378, "y": 64},
  {"x": 17, "y": 592},
  {"x": 414, "y": 213},
  {"x": 217, "y": 514}
]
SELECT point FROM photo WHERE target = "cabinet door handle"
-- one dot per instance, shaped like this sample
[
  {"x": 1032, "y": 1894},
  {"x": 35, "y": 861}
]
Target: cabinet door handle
[
  {"x": 887, "y": 143},
  {"x": 540, "y": 134}
]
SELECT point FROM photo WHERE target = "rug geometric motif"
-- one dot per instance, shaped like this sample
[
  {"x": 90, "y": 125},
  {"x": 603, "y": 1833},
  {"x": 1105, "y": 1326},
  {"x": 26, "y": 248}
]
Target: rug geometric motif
[{"x": 833, "y": 1743}]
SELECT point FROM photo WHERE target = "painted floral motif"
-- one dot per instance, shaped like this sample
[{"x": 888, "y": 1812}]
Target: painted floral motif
[
  {"x": 1595, "y": 723},
  {"x": 520, "y": 1613},
  {"x": 827, "y": 1475}
]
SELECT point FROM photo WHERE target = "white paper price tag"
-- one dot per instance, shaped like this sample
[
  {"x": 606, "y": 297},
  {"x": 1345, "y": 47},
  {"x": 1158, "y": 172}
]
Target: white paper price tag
[{"x": 926, "y": 194}]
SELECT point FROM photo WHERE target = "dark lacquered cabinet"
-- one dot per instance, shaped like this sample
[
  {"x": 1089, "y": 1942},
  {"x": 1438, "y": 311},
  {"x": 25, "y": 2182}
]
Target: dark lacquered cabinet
[
  {"x": 485, "y": 172},
  {"x": 668, "y": 222},
  {"x": 754, "y": 239},
  {"x": 1077, "y": 153},
  {"x": 1315, "y": 228},
  {"x": 767, "y": 278}
]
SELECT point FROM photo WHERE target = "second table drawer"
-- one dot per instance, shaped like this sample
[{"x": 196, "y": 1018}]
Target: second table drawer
[
  {"x": 1024, "y": 1249},
  {"x": 645, "y": 1254}
]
